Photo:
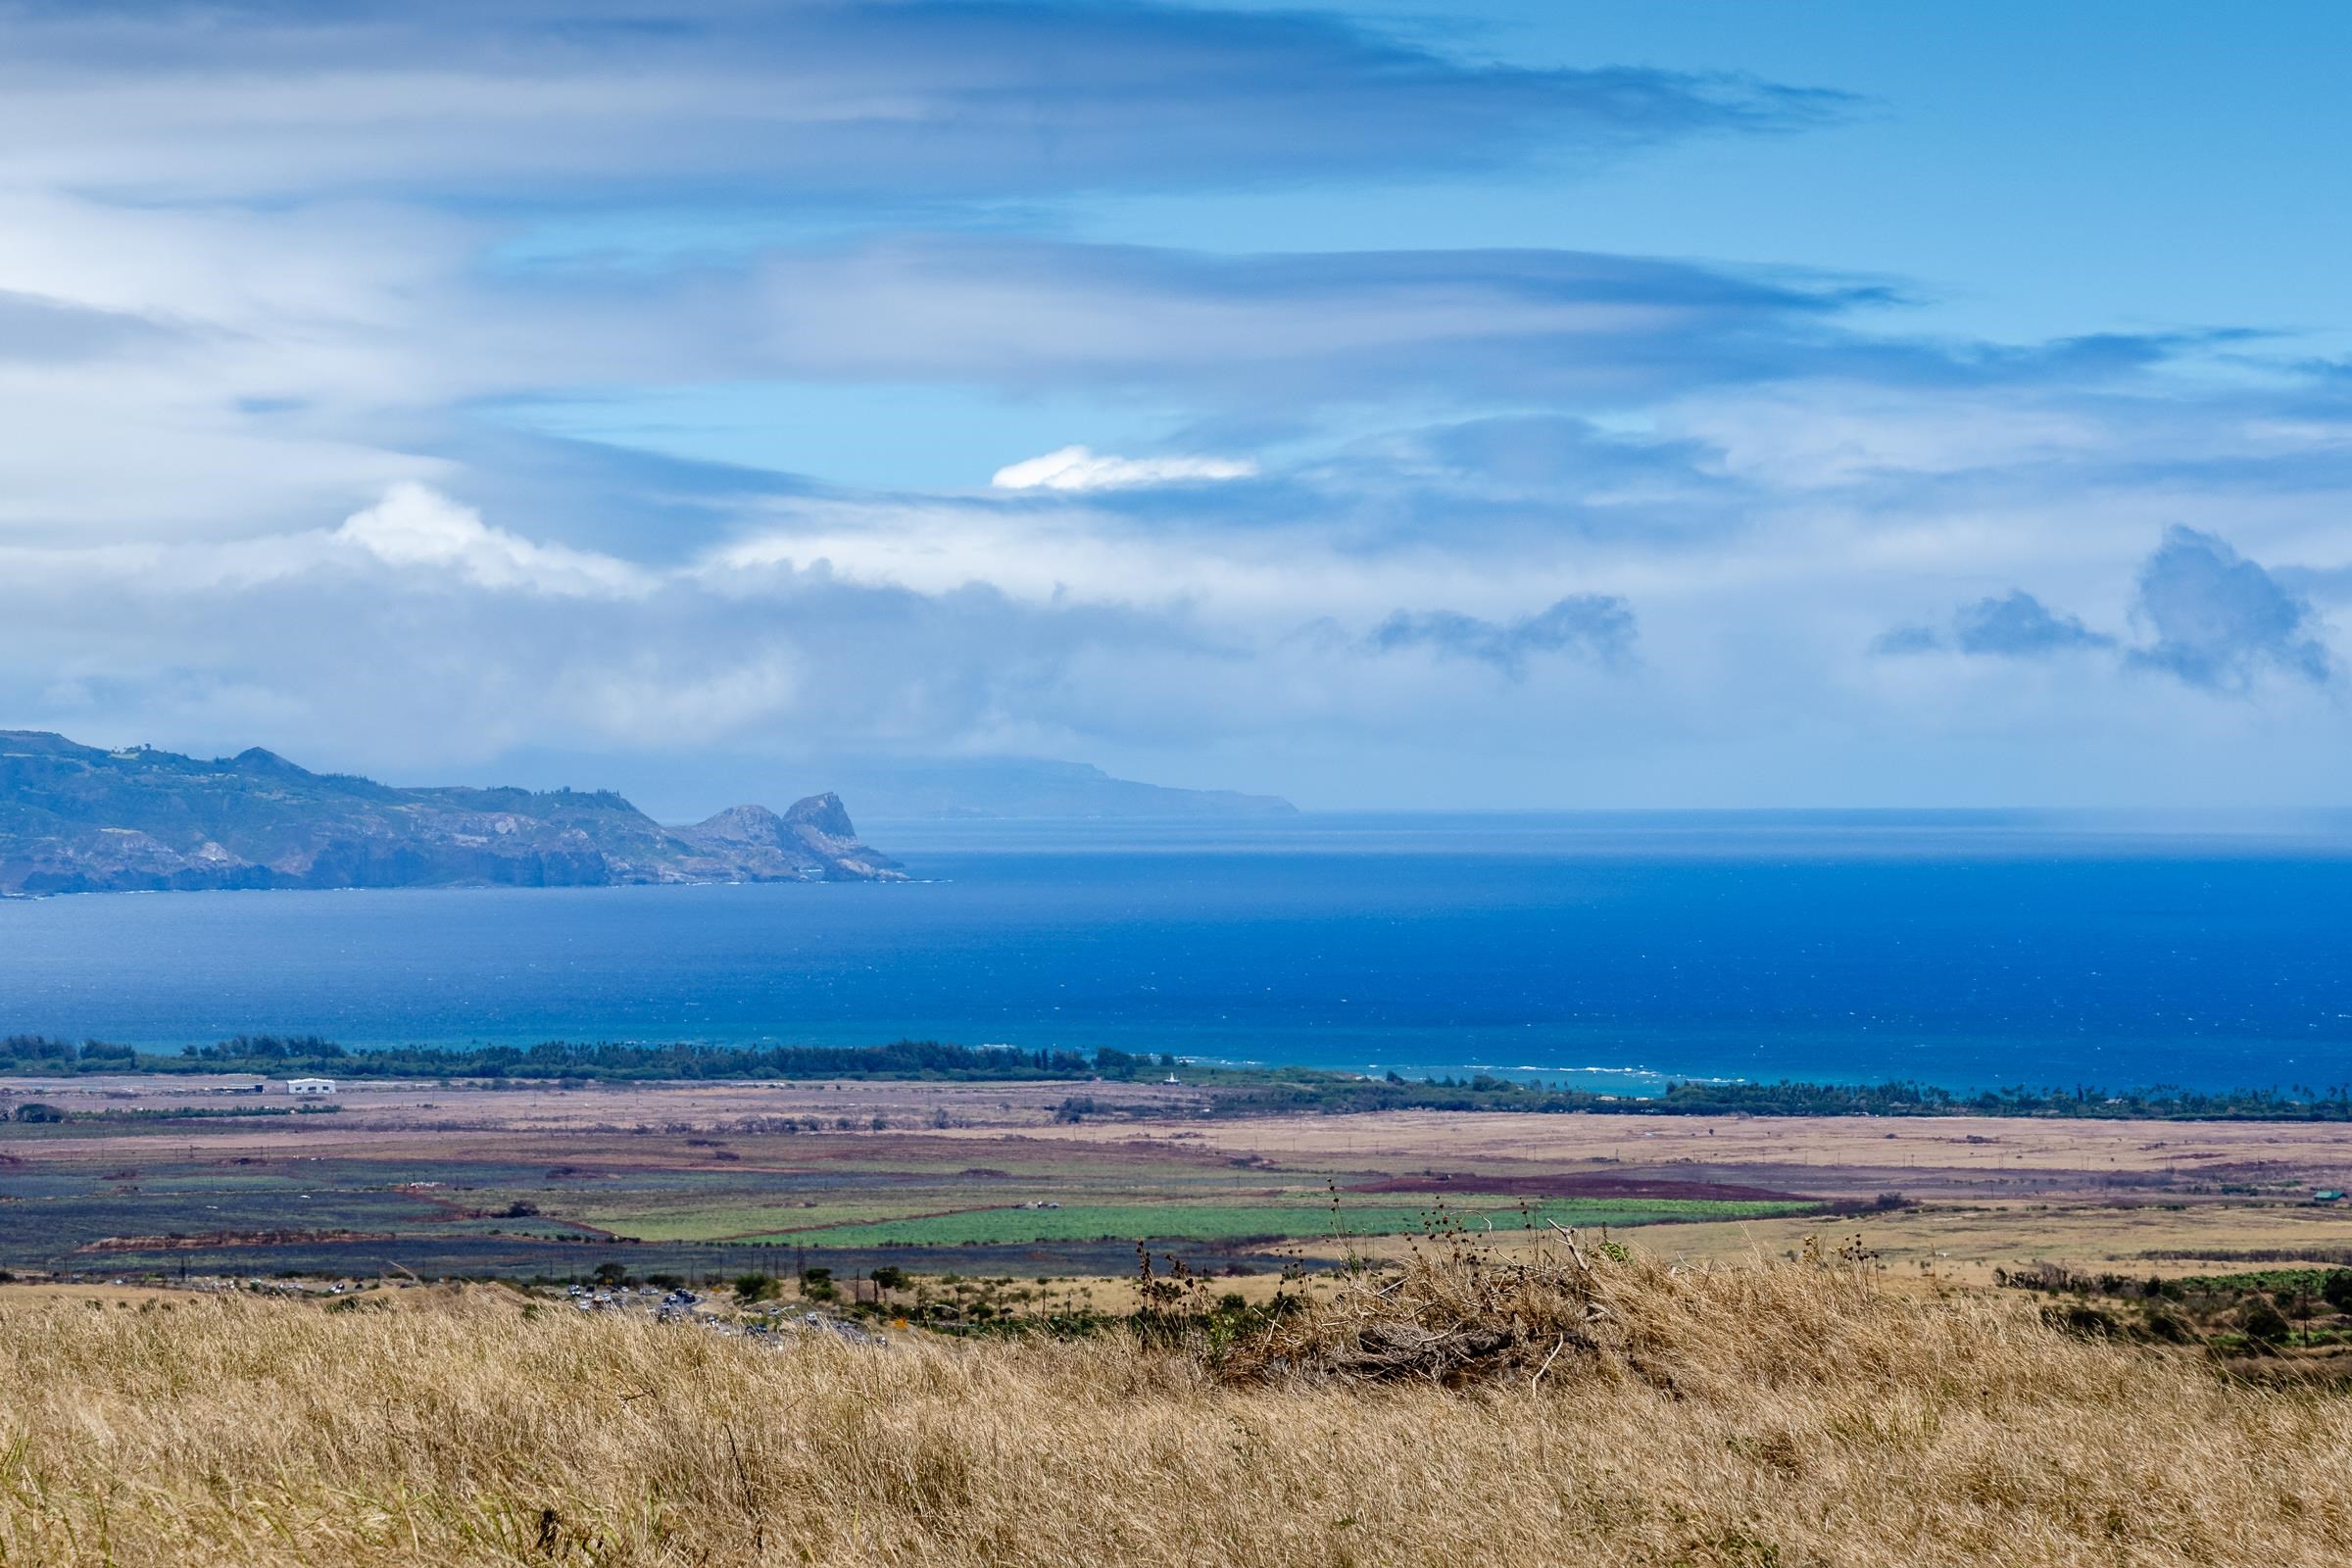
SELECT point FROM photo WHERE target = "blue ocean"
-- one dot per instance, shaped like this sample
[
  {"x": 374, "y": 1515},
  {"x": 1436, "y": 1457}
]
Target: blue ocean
[{"x": 1614, "y": 952}]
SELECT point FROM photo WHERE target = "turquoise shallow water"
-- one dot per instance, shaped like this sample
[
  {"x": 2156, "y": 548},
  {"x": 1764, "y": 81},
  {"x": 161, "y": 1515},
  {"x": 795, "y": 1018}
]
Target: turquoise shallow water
[{"x": 1612, "y": 951}]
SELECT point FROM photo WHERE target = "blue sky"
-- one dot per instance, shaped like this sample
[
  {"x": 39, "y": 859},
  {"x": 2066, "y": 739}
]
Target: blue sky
[
  {"x": 1506, "y": 405},
  {"x": 2028, "y": 170}
]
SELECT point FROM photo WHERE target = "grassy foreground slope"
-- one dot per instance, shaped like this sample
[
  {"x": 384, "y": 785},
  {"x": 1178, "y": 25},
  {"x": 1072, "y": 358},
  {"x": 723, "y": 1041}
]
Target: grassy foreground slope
[{"x": 1621, "y": 1413}]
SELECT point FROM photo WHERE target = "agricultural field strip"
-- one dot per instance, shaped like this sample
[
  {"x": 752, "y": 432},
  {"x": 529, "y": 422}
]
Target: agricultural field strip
[
  {"x": 1200, "y": 1205},
  {"x": 829, "y": 1190},
  {"x": 163, "y": 1211},
  {"x": 719, "y": 1182},
  {"x": 1211, "y": 1221},
  {"x": 736, "y": 1218},
  {"x": 753, "y": 1215}
]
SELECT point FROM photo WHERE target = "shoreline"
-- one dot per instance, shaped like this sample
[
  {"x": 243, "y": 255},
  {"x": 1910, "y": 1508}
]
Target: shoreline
[{"x": 1103, "y": 1082}]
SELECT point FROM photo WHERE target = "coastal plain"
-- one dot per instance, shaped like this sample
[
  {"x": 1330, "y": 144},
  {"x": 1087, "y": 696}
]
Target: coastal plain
[{"x": 151, "y": 1175}]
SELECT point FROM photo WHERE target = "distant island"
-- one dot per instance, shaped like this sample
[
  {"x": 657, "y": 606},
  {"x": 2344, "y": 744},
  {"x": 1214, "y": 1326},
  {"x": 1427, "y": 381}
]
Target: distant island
[
  {"x": 83, "y": 819},
  {"x": 1035, "y": 788},
  {"x": 925, "y": 789}
]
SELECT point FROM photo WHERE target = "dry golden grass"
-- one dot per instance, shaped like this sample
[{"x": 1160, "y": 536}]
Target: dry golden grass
[
  {"x": 1772, "y": 1414},
  {"x": 1987, "y": 1147},
  {"x": 1962, "y": 1243}
]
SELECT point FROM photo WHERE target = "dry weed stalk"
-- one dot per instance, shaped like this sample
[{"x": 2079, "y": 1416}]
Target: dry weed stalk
[{"x": 1460, "y": 1310}]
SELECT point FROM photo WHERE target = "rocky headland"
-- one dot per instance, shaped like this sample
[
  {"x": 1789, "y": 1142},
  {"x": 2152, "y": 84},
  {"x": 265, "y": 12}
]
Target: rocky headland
[{"x": 84, "y": 819}]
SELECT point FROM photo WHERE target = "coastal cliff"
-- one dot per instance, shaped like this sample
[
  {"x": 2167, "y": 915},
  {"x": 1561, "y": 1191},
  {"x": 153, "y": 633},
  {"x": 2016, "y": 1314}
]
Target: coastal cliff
[{"x": 83, "y": 820}]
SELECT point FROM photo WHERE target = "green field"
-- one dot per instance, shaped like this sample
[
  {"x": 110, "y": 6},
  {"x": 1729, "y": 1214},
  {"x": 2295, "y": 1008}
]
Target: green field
[
  {"x": 1084, "y": 1222},
  {"x": 681, "y": 1219}
]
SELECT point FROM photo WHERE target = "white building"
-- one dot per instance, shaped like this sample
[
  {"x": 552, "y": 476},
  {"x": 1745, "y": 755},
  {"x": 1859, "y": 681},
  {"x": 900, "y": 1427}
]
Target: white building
[{"x": 310, "y": 1086}]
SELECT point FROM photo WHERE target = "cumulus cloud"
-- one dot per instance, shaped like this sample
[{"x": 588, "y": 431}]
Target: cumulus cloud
[
  {"x": 1081, "y": 469},
  {"x": 416, "y": 633},
  {"x": 2209, "y": 617},
  {"x": 1897, "y": 641},
  {"x": 2010, "y": 625},
  {"x": 2217, "y": 620},
  {"x": 2018, "y": 626},
  {"x": 415, "y": 526},
  {"x": 1599, "y": 626}
]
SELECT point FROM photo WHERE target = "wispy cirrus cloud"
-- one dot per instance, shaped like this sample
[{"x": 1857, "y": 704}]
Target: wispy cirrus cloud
[
  {"x": 339, "y": 359},
  {"x": 824, "y": 98},
  {"x": 1022, "y": 314},
  {"x": 47, "y": 331}
]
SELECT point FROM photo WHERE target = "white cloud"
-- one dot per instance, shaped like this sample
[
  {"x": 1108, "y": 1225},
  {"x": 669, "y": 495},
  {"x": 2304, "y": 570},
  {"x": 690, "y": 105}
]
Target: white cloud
[
  {"x": 1082, "y": 468},
  {"x": 415, "y": 526},
  {"x": 1079, "y": 631},
  {"x": 1240, "y": 577}
]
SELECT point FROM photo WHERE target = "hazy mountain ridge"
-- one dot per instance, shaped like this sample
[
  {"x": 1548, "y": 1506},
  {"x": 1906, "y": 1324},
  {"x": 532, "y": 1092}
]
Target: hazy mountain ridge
[
  {"x": 1036, "y": 789},
  {"x": 83, "y": 820}
]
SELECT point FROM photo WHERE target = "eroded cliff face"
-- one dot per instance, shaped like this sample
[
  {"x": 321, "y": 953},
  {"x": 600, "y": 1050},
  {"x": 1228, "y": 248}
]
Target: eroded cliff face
[
  {"x": 80, "y": 819},
  {"x": 812, "y": 841}
]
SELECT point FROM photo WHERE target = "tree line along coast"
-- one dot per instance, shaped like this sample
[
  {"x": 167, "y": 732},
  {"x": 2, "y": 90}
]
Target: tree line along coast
[{"x": 1097, "y": 1075}]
